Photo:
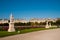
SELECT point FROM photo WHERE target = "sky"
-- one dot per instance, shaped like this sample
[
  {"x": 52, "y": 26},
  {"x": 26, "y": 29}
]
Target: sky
[{"x": 26, "y": 9}]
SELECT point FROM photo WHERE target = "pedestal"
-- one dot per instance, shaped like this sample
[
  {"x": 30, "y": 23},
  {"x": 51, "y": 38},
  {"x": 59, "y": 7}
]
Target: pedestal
[
  {"x": 47, "y": 26},
  {"x": 11, "y": 27}
]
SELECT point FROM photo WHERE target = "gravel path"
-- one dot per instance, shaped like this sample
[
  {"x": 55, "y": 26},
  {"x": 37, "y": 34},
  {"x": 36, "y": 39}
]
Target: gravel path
[{"x": 53, "y": 34}]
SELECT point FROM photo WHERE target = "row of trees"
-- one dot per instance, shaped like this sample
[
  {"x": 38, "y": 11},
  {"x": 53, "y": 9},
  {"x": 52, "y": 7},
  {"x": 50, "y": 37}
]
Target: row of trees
[{"x": 31, "y": 23}]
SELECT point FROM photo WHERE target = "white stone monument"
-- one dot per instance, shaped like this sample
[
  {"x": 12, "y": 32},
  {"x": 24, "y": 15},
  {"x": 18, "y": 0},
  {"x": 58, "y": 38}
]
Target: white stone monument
[
  {"x": 11, "y": 24},
  {"x": 47, "y": 26}
]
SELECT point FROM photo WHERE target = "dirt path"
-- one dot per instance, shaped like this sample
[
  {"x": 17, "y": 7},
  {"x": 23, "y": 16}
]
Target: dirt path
[{"x": 53, "y": 34}]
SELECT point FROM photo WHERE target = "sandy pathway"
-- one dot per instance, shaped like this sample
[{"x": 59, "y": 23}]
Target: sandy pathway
[{"x": 53, "y": 34}]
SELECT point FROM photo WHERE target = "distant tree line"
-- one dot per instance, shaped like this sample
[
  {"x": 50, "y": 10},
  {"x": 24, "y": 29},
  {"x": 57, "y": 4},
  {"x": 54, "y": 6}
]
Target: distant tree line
[
  {"x": 4, "y": 24},
  {"x": 29, "y": 24},
  {"x": 32, "y": 23}
]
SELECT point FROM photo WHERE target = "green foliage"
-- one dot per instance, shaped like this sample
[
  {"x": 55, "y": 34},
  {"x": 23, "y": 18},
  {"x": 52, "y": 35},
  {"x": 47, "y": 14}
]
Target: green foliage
[
  {"x": 4, "y": 24},
  {"x": 42, "y": 23},
  {"x": 52, "y": 23},
  {"x": 58, "y": 23}
]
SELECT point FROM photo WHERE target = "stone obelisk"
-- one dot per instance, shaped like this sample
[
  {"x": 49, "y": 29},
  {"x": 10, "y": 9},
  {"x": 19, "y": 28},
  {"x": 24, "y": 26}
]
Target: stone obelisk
[
  {"x": 11, "y": 24},
  {"x": 47, "y": 26}
]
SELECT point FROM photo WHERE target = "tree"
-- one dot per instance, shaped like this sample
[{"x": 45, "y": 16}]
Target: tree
[
  {"x": 58, "y": 22},
  {"x": 28, "y": 24}
]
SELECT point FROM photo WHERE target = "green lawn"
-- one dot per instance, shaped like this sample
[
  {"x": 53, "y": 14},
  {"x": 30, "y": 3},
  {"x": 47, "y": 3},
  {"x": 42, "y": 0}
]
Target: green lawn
[
  {"x": 31, "y": 30},
  {"x": 35, "y": 29},
  {"x": 5, "y": 33}
]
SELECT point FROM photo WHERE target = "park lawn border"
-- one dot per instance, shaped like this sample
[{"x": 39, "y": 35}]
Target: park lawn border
[
  {"x": 6, "y": 33},
  {"x": 35, "y": 29}
]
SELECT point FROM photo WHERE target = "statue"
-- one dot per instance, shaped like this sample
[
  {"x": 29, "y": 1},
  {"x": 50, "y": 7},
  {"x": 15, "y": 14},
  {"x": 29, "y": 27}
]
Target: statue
[
  {"x": 11, "y": 24},
  {"x": 47, "y": 26}
]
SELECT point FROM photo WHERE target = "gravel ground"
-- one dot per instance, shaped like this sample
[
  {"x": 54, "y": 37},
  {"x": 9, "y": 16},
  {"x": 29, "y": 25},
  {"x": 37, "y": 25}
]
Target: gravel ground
[{"x": 52, "y": 34}]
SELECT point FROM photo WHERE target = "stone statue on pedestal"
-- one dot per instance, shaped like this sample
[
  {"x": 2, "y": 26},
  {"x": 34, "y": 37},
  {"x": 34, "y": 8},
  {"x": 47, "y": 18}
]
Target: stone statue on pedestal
[
  {"x": 11, "y": 24},
  {"x": 47, "y": 26}
]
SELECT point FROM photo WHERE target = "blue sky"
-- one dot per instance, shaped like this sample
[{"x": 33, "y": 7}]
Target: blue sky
[{"x": 30, "y": 8}]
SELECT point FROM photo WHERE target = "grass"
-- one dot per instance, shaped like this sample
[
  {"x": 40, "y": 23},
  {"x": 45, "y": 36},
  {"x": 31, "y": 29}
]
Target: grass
[
  {"x": 31, "y": 30},
  {"x": 5, "y": 33},
  {"x": 35, "y": 29}
]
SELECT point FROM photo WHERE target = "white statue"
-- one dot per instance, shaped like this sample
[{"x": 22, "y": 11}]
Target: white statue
[
  {"x": 11, "y": 24},
  {"x": 47, "y": 26}
]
